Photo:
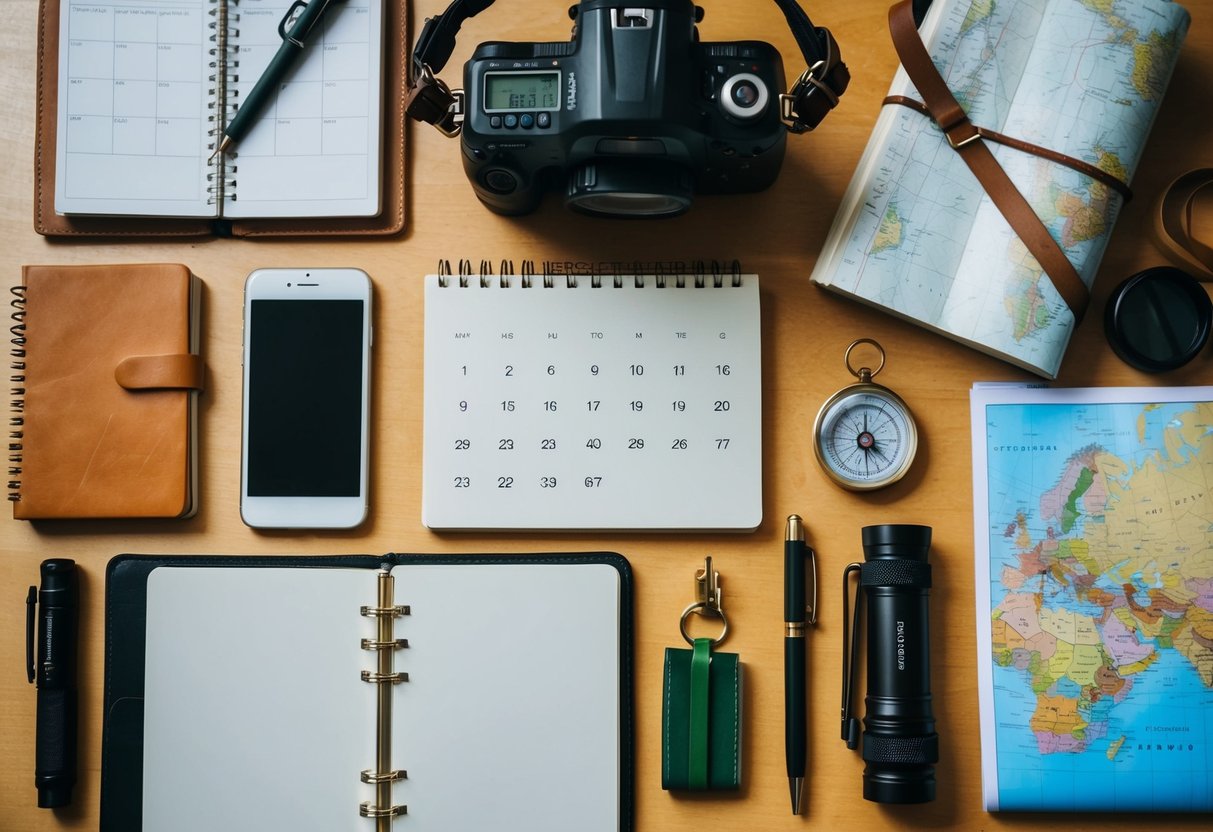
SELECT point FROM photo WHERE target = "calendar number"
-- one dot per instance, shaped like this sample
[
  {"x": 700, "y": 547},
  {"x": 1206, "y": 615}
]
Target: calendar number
[
  {"x": 637, "y": 406},
  {"x": 505, "y": 444},
  {"x": 551, "y": 369},
  {"x": 593, "y": 482},
  {"x": 463, "y": 406},
  {"x": 509, "y": 370},
  {"x": 593, "y": 444},
  {"x": 637, "y": 369},
  {"x": 463, "y": 444},
  {"x": 505, "y": 482},
  {"x": 680, "y": 406},
  {"x": 547, "y": 444},
  {"x": 547, "y": 482},
  {"x": 635, "y": 444},
  {"x": 720, "y": 406},
  {"x": 463, "y": 482},
  {"x": 550, "y": 407},
  {"x": 593, "y": 369},
  {"x": 722, "y": 444},
  {"x": 680, "y": 369},
  {"x": 723, "y": 370},
  {"x": 508, "y": 406},
  {"x": 678, "y": 445},
  {"x": 592, "y": 405},
  {"x": 465, "y": 369}
]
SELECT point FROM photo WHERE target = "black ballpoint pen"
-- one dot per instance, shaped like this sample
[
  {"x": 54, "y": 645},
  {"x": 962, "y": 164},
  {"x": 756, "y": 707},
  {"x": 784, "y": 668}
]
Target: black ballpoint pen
[
  {"x": 795, "y": 612},
  {"x": 52, "y": 662},
  {"x": 292, "y": 47}
]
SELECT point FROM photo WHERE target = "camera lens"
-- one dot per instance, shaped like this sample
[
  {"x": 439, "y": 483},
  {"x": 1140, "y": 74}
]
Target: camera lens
[
  {"x": 744, "y": 96},
  {"x": 900, "y": 745},
  {"x": 634, "y": 188}
]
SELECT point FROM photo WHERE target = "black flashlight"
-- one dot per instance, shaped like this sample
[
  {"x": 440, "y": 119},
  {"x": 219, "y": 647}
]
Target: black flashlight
[
  {"x": 900, "y": 745},
  {"x": 52, "y": 663}
]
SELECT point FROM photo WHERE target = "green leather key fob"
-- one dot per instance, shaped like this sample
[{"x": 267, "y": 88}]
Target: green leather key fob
[{"x": 701, "y": 719}]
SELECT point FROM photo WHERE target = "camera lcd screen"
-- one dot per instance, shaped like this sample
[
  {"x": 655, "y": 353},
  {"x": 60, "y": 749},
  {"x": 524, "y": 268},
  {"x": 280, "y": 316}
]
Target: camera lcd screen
[
  {"x": 305, "y": 398},
  {"x": 512, "y": 91}
]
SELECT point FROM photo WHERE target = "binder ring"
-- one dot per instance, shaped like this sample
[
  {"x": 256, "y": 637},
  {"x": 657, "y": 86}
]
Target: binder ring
[
  {"x": 378, "y": 678},
  {"x": 392, "y": 644},
  {"x": 703, "y": 608},
  {"x": 369, "y": 776},
  {"x": 367, "y": 810},
  {"x": 390, "y": 612}
]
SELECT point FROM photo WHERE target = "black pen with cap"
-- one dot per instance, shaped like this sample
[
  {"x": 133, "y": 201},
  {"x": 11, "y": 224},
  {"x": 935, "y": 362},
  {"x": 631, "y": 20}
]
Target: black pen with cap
[{"x": 51, "y": 661}]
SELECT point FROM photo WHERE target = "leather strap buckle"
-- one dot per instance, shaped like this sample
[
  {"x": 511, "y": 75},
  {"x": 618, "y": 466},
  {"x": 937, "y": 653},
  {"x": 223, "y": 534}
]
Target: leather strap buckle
[
  {"x": 962, "y": 126},
  {"x": 816, "y": 91},
  {"x": 432, "y": 101}
]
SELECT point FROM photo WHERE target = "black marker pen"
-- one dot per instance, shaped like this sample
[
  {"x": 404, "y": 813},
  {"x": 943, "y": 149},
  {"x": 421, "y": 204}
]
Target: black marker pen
[{"x": 52, "y": 662}]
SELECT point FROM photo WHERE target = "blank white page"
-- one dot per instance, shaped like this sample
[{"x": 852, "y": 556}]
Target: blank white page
[
  {"x": 255, "y": 715},
  {"x": 510, "y": 718},
  {"x": 636, "y": 404}
]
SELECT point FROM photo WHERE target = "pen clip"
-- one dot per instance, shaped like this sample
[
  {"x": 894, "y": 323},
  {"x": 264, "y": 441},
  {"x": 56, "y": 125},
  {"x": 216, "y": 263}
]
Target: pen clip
[
  {"x": 850, "y": 725},
  {"x": 31, "y": 603},
  {"x": 811, "y": 607},
  {"x": 287, "y": 22}
]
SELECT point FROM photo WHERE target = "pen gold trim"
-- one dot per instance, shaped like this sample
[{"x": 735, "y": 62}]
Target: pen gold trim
[{"x": 383, "y": 677}]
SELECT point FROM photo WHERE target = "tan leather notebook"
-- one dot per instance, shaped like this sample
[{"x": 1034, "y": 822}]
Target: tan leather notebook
[
  {"x": 112, "y": 368},
  {"x": 128, "y": 154}
]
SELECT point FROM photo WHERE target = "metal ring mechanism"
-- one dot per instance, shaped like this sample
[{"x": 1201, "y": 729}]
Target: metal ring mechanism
[
  {"x": 864, "y": 374},
  {"x": 707, "y": 589}
]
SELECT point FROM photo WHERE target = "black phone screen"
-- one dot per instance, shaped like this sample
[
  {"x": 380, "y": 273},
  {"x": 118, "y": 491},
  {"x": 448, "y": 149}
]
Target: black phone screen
[{"x": 305, "y": 398}]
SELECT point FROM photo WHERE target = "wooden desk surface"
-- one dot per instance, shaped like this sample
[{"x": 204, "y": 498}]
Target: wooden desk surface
[{"x": 776, "y": 234}]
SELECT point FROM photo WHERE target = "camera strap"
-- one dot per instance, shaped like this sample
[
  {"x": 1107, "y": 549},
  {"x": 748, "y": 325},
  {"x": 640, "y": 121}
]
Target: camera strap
[{"x": 802, "y": 107}]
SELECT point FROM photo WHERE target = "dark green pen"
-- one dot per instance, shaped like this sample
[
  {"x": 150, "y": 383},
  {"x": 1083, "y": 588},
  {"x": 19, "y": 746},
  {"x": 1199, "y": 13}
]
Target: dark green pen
[
  {"x": 288, "y": 53},
  {"x": 795, "y": 612}
]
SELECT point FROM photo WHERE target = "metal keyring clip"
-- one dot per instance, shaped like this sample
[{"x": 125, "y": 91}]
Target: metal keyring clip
[{"x": 707, "y": 589}]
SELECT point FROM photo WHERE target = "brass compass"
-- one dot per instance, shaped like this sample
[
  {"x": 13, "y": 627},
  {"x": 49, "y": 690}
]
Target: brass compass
[{"x": 864, "y": 435}]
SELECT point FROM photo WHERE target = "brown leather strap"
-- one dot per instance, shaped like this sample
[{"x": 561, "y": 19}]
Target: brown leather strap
[
  {"x": 161, "y": 372},
  {"x": 1085, "y": 168},
  {"x": 1173, "y": 221},
  {"x": 966, "y": 140}
]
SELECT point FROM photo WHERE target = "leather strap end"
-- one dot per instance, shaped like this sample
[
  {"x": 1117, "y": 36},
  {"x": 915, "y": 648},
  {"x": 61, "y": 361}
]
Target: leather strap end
[{"x": 161, "y": 372}]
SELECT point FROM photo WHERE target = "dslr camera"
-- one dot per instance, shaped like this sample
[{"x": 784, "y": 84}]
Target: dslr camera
[{"x": 631, "y": 117}]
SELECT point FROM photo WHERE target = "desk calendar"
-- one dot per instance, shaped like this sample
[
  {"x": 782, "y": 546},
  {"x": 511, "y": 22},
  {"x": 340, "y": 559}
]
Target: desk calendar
[{"x": 599, "y": 402}]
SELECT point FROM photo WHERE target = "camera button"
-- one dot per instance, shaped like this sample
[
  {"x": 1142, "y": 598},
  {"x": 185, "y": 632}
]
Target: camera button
[
  {"x": 543, "y": 120},
  {"x": 526, "y": 120},
  {"x": 495, "y": 122},
  {"x": 500, "y": 181},
  {"x": 511, "y": 121}
]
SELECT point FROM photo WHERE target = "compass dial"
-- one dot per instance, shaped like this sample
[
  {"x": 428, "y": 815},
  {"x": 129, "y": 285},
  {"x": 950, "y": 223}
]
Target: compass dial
[{"x": 865, "y": 438}]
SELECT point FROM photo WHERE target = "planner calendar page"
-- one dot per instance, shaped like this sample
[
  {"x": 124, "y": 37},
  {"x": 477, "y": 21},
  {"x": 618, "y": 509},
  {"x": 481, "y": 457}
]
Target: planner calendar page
[{"x": 592, "y": 403}]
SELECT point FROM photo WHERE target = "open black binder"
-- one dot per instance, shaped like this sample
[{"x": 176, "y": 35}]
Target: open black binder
[{"x": 513, "y": 606}]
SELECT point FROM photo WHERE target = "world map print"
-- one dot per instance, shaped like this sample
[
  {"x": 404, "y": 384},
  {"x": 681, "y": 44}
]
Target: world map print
[
  {"x": 917, "y": 235},
  {"x": 1100, "y": 604}
]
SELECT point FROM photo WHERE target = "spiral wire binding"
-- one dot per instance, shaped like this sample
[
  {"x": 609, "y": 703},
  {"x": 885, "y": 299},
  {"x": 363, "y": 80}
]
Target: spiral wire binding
[
  {"x": 224, "y": 61},
  {"x": 660, "y": 271},
  {"x": 16, "y": 420}
]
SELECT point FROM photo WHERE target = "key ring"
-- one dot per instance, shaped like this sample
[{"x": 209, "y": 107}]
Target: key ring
[{"x": 707, "y": 588}]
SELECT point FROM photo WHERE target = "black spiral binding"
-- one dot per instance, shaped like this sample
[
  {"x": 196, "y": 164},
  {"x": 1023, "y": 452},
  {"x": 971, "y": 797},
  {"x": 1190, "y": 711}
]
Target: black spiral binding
[
  {"x": 663, "y": 272},
  {"x": 16, "y": 420},
  {"x": 224, "y": 61}
]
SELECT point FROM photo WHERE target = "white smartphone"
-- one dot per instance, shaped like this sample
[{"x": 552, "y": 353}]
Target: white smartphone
[{"x": 307, "y": 356}]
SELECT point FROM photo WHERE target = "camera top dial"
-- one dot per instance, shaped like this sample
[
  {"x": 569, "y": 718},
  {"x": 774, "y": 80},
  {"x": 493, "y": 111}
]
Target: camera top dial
[{"x": 744, "y": 96}]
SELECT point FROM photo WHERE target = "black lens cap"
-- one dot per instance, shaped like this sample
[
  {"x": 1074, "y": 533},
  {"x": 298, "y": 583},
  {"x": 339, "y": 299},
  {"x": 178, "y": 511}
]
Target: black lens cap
[{"x": 1159, "y": 319}]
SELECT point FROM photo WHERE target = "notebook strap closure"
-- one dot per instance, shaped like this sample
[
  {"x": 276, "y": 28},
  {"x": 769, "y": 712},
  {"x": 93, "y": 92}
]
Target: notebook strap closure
[
  {"x": 161, "y": 372},
  {"x": 1173, "y": 221},
  {"x": 965, "y": 138}
]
